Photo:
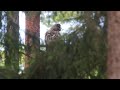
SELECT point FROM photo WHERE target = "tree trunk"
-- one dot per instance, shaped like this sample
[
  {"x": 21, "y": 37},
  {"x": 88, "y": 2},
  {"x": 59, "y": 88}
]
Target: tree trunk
[
  {"x": 32, "y": 36},
  {"x": 113, "y": 57},
  {"x": 12, "y": 41}
]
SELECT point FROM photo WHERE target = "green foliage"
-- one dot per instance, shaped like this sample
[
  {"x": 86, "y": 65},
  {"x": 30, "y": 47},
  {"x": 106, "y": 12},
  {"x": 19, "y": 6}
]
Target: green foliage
[
  {"x": 6, "y": 73},
  {"x": 77, "y": 17},
  {"x": 84, "y": 58}
]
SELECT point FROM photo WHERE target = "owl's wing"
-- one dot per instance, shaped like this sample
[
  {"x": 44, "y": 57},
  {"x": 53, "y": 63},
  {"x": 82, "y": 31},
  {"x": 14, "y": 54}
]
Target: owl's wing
[{"x": 47, "y": 37}]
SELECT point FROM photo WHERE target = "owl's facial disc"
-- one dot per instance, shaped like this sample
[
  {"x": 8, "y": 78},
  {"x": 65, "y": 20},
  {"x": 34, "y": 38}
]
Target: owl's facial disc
[{"x": 59, "y": 27}]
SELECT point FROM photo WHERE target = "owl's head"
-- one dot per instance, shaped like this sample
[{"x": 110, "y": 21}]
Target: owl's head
[{"x": 56, "y": 27}]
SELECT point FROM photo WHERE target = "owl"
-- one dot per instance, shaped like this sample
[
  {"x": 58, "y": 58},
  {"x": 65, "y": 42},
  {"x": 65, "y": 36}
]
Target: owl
[{"x": 52, "y": 34}]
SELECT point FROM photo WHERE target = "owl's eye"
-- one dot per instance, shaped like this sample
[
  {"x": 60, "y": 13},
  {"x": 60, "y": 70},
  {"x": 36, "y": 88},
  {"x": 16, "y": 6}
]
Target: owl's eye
[{"x": 56, "y": 29}]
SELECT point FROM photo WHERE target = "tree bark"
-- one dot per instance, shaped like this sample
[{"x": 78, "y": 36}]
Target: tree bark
[
  {"x": 12, "y": 41},
  {"x": 113, "y": 37},
  {"x": 32, "y": 36}
]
